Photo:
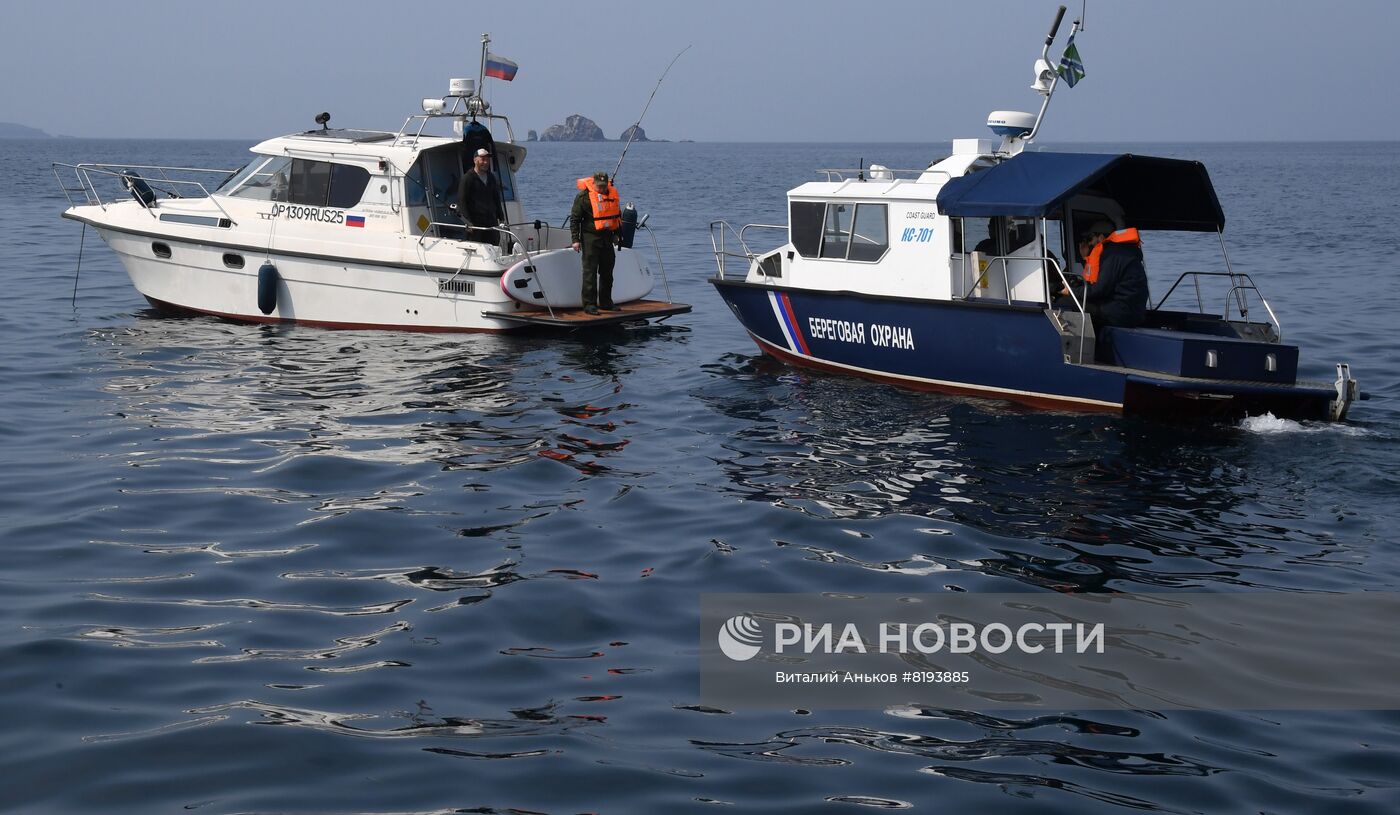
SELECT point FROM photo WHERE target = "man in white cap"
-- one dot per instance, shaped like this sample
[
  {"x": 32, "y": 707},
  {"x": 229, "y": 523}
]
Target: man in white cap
[{"x": 479, "y": 199}]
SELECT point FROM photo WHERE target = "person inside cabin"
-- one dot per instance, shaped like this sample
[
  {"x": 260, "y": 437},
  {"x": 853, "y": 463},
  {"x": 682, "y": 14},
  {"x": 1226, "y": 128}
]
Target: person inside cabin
[
  {"x": 988, "y": 245},
  {"x": 1114, "y": 291},
  {"x": 279, "y": 186},
  {"x": 596, "y": 224},
  {"x": 479, "y": 199}
]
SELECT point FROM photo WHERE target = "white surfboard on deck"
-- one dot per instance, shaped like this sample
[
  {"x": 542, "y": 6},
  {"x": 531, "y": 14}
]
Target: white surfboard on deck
[{"x": 555, "y": 279}]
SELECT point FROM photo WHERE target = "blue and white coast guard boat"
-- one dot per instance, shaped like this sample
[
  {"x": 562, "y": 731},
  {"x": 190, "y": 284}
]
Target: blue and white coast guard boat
[{"x": 942, "y": 279}]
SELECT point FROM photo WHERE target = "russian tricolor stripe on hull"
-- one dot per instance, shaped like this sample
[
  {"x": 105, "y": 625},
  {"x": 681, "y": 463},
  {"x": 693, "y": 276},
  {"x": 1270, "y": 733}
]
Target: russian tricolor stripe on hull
[{"x": 787, "y": 322}]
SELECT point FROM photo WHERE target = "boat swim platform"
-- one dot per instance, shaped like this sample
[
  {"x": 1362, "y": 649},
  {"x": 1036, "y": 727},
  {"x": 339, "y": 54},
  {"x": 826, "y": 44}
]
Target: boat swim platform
[{"x": 578, "y": 318}]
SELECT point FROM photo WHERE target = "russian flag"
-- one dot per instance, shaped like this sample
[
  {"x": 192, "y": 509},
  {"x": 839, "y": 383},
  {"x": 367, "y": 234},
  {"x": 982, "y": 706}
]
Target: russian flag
[
  {"x": 500, "y": 67},
  {"x": 355, "y": 220}
]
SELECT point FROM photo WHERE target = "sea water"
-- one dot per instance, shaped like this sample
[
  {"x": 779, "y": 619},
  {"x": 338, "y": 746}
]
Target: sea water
[{"x": 279, "y": 569}]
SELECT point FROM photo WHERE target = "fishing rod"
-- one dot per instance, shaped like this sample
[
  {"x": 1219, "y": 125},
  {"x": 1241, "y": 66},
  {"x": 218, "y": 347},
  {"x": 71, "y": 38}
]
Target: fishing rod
[{"x": 632, "y": 134}]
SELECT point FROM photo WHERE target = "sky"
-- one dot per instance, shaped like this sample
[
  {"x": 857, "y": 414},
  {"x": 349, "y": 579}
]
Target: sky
[{"x": 757, "y": 70}]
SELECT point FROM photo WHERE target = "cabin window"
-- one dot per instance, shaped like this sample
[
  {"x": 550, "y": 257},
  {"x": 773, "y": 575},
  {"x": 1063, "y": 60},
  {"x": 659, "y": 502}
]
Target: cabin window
[
  {"x": 262, "y": 181},
  {"x": 850, "y": 232},
  {"x": 1019, "y": 232},
  {"x": 323, "y": 184},
  {"x": 414, "y": 193},
  {"x": 836, "y": 234},
  {"x": 1057, "y": 248},
  {"x": 311, "y": 180},
  {"x": 506, "y": 175},
  {"x": 984, "y": 232},
  {"x": 444, "y": 179},
  {"x": 805, "y": 226},
  {"x": 347, "y": 185},
  {"x": 241, "y": 175},
  {"x": 997, "y": 237},
  {"x": 870, "y": 236}
]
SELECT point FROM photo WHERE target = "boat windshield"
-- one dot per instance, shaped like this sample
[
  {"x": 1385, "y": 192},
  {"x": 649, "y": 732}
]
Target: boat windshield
[
  {"x": 241, "y": 175},
  {"x": 263, "y": 181}
]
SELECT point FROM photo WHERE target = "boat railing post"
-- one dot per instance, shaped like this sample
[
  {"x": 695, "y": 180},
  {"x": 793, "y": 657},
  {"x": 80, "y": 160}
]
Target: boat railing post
[
  {"x": 656, "y": 248},
  {"x": 1074, "y": 298},
  {"x": 82, "y": 171},
  {"x": 717, "y": 245},
  {"x": 1239, "y": 294},
  {"x": 528, "y": 261}
]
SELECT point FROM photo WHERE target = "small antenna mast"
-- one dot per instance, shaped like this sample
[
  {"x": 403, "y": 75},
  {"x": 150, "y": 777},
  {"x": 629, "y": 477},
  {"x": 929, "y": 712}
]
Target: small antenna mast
[
  {"x": 1053, "y": 77},
  {"x": 481, "y": 77}
]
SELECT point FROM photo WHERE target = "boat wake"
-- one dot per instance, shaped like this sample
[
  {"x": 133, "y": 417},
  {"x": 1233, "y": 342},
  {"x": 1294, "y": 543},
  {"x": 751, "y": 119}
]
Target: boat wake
[{"x": 1269, "y": 424}]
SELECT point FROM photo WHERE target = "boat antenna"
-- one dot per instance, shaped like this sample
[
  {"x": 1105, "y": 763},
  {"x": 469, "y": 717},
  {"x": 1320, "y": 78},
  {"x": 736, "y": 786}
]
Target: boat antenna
[
  {"x": 632, "y": 131},
  {"x": 1047, "y": 78},
  {"x": 481, "y": 77}
]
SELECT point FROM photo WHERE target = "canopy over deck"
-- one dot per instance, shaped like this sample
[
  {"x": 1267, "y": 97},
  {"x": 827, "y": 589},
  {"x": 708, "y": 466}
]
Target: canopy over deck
[{"x": 1155, "y": 193}]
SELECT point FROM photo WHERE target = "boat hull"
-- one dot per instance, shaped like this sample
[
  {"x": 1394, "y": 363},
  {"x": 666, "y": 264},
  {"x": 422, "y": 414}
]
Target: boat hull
[
  {"x": 329, "y": 293},
  {"x": 994, "y": 350}
]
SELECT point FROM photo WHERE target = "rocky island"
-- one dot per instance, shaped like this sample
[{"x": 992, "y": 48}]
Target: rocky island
[
  {"x": 574, "y": 128},
  {"x": 581, "y": 128}
]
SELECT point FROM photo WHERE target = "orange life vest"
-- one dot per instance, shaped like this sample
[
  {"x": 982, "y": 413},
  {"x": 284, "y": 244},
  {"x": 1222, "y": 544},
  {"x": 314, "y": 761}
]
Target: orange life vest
[
  {"x": 607, "y": 210},
  {"x": 1091, "y": 264}
]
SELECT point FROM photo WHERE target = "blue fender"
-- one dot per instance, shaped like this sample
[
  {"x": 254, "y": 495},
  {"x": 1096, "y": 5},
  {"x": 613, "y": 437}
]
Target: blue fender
[{"x": 267, "y": 287}]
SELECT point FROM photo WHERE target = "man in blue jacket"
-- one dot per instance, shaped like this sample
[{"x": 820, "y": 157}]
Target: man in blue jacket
[{"x": 1115, "y": 278}]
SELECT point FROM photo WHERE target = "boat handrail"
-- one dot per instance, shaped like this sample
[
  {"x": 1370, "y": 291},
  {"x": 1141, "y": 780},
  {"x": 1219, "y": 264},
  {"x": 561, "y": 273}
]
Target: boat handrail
[
  {"x": 718, "y": 245},
  {"x": 524, "y": 248},
  {"x": 656, "y": 248},
  {"x": 505, "y": 230},
  {"x": 1240, "y": 285},
  {"x": 868, "y": 174},
  {"x": 747, "y": 227},
  {"x": 454, "y": 113},
  {"x": 1048, "y": 263},
  {"x": 1080, "y": 305},
  {"x": 1003, "y": 260},
  {"x": 83, "y": 173}
]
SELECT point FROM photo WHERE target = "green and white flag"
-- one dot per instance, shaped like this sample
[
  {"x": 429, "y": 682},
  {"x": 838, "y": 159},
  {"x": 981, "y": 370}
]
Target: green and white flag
[{"x": 1071, "y": 66}]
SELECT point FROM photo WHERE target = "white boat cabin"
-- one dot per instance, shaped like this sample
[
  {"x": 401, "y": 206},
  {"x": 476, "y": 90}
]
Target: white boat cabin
[{"x": 872, "y": 231}]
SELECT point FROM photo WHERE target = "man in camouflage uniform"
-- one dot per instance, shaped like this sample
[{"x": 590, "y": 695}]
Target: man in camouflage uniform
[{"x": 595, "y": 243}]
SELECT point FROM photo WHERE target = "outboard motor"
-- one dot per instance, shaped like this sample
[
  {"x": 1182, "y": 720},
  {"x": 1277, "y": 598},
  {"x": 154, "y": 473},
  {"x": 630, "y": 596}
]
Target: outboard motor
[
  {"x": 629, "y": 226},
  {"x": 138, "y": 188},
  {"x": 267, "y": 287}
]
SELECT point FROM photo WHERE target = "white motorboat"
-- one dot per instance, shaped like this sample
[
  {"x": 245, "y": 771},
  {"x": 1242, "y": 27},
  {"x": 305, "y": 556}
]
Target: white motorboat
[{"x": 343, "y": 228}]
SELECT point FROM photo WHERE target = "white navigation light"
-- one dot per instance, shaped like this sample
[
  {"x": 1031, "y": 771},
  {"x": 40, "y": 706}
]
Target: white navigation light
[
  {"x": 1044, "y": 77},
  {"x": 461, "y": 88},
  {"x": 1012, "y": 124},
  {"x": 433, "y": 106}
]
